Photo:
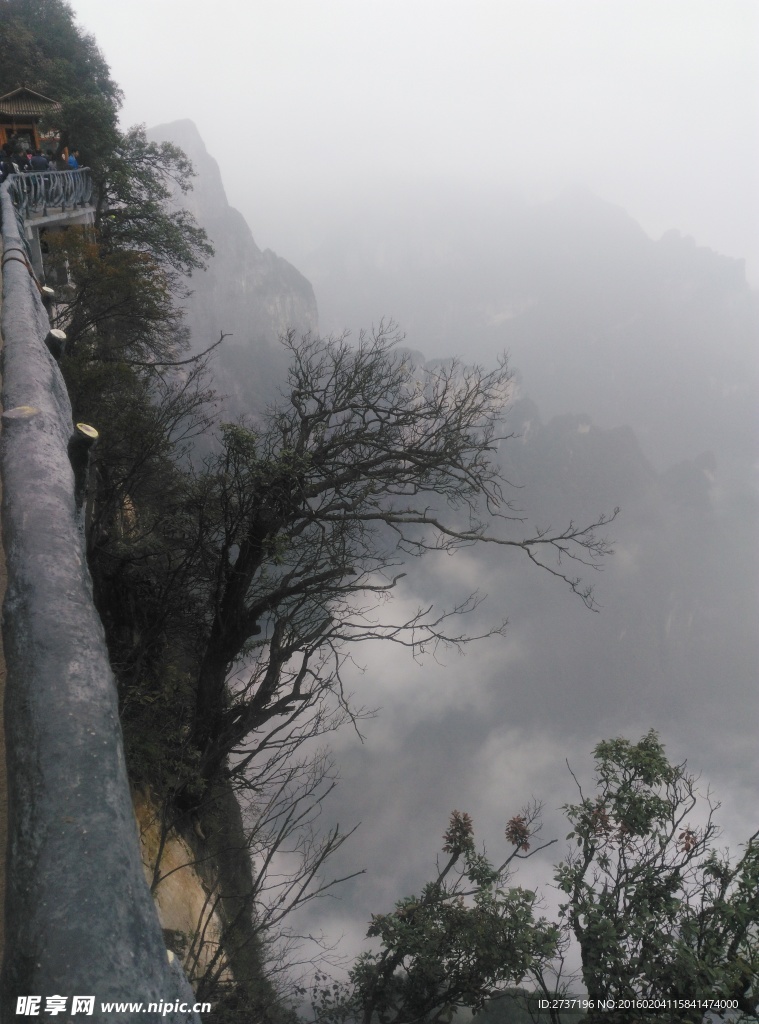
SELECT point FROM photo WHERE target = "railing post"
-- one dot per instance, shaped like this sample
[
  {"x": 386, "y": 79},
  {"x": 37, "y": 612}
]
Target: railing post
[{"x": 35, "y": 249}]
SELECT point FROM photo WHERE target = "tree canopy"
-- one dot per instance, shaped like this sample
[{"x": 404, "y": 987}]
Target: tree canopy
[
  {"x": 665, "y": 921},
  {"x": 42, "y": 47},
  {"x": 656, "y": 908}
]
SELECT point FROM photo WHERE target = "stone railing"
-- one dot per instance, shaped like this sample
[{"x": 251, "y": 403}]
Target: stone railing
[
  {"x": 79, "y": 919},
  {"x": 35, "y": 191}
]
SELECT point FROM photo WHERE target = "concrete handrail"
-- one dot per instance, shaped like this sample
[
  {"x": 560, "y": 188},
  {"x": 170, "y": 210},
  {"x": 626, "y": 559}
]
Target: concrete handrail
[{"x": 79, "y": 919}]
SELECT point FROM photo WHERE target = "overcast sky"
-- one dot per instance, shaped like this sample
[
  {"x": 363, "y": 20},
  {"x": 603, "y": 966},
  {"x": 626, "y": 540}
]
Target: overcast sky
[{"x": 653, "y": 104}]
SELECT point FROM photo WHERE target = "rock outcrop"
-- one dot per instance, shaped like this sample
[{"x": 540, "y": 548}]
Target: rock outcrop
[{"x": 250, "y": 294}]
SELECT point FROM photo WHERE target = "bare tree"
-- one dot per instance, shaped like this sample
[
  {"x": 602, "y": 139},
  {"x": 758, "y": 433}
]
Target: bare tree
[
  {"x": 246, "y": 915},
  {"x": 277, "y": 559},
  {"x": 308, "y": 518}
]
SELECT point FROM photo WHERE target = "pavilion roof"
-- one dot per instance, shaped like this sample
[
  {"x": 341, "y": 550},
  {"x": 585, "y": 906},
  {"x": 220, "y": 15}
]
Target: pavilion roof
[{"x": 23, "y": 102}]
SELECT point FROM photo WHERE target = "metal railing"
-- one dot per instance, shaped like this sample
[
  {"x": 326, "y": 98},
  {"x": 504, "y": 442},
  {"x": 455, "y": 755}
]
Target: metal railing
[{"x": 35, "y": 191}]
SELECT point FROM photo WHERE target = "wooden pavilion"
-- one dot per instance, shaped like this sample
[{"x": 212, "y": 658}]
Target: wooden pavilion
[{"x": 20, "y": 113}]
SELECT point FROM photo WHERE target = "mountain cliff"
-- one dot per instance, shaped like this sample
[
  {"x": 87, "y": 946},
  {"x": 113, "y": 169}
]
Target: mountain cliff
[{"x": 250, "y": 294}]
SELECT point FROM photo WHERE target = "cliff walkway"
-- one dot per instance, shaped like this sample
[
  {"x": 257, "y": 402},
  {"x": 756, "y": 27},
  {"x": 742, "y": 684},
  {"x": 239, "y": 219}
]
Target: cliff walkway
[
  {"x": 46, "y": 200},
  {"x": 78, "y": 914},
  {"x": 39, "y": 194}
]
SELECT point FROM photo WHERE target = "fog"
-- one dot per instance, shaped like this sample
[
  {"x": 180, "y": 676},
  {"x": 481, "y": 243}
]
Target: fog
[
  {"x": 654, "y": 106},
  {"x": 576, "y": 182}
]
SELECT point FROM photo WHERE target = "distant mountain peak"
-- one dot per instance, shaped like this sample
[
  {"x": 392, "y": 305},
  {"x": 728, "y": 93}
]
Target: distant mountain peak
[{"x": 250, "y": 295}]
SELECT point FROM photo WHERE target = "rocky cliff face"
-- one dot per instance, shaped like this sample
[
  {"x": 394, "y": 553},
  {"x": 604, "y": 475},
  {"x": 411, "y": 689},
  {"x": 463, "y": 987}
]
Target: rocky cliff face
[
  {"x": 186, "y": 902},
  {"x": 250, "y": 294}
]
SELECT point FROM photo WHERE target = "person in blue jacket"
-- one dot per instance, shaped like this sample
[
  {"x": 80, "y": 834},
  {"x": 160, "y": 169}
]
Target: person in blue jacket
[{"x": 73, "y": 161}]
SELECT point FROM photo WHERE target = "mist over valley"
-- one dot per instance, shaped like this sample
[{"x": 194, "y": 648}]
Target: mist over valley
[{"x": 635, "y": 386}]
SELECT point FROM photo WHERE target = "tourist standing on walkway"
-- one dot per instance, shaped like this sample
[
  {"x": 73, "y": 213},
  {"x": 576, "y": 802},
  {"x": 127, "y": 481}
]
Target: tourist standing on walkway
[{"x": 39, "y": 162}]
